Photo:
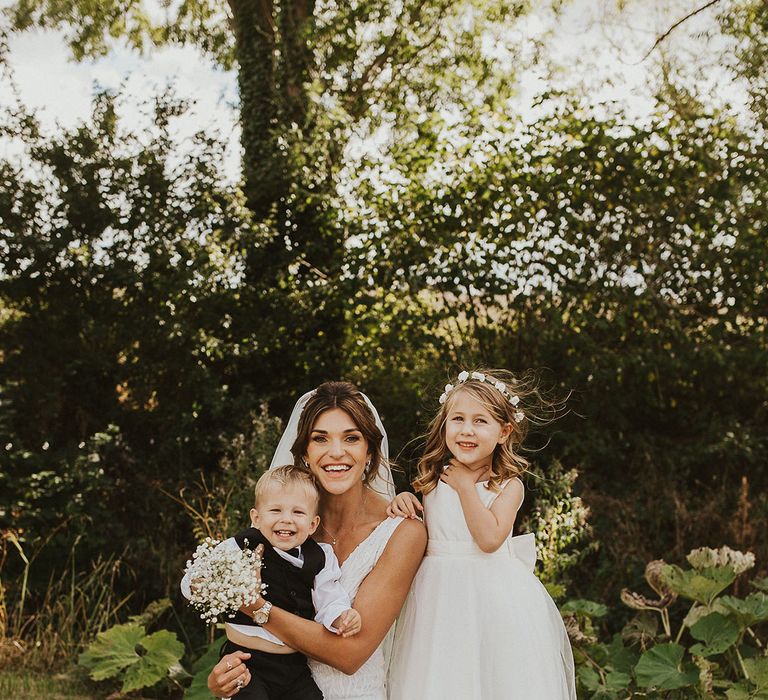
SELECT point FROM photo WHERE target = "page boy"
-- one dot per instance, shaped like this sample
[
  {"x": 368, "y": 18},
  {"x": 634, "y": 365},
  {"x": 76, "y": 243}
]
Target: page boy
[{"x": 302, "y": 577}]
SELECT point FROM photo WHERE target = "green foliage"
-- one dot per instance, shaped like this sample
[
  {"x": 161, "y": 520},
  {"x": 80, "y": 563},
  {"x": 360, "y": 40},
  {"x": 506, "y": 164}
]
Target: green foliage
[
  {"x": 127, "y": 653},
  {"x": 586, "y": 608},
  {"x": 25, "y": 685},
  {"x": 198, "y": 688},
  {"x": 716, "y": 632},
  {"x": 748, "y": 611},
  {"x": 702, "y": 585},
  {"x": 661, "y": 667},
  {"x": 559, "y": 521},
  {"x": 147, "y": 306},
  {"x": 711, "y": 656}
]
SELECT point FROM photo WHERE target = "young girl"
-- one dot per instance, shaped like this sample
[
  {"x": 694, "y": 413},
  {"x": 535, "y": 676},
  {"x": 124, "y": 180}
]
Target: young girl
[{"x": 477, "y": 623}]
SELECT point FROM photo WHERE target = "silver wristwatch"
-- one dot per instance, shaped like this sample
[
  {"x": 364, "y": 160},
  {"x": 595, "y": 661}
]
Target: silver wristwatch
[{"x": 261, "y": 616}]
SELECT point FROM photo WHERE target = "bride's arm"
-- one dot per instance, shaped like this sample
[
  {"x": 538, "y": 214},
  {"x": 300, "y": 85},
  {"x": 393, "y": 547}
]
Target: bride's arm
[{"x": 379, "y": 600}]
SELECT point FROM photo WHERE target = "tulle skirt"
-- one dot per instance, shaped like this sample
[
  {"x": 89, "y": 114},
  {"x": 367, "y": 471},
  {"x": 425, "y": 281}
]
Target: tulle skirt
[{"x": 479, "y": 626}]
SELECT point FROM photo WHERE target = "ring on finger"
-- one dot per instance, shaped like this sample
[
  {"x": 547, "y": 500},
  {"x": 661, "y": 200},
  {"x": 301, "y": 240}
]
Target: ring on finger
[{"x": 239, "y": 683}]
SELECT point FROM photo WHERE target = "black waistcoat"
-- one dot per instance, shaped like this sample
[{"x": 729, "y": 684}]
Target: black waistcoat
[{"x": 288, "y": 587}]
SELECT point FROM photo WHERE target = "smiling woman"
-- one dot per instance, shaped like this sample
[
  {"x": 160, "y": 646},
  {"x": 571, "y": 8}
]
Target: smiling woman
[{"x": 336, "y": 435}]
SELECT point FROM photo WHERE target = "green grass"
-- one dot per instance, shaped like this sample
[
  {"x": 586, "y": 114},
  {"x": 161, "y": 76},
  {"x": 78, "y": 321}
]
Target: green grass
[{"x": 32, "y": 685}]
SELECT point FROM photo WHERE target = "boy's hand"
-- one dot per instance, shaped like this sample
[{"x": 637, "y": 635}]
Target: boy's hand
[
  {"x": 348, "y": 623},
  {"x": 405, "y": 505}
]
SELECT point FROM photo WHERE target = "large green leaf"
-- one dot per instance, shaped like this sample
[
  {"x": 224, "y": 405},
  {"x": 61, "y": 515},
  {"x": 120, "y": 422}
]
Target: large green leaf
[
  {"x": 717, "y": 633},
  {"x": 662, "y": 667},
  {"x": 112, "y": 651},
  {"x": 616, "y": 680},
  {"x": 747, "y": 611},
  {"x": 740, "y": 691},
  {"x": 701, "y": 585},
  {"x": 588, "y": 677},
  {"x": 125, "y": 651},
  {"x": 621, "y": 658},
  {"x": 758, "y": 671},
  {"x": 162, "y": 651},
  {"x": 744, "y": 691}
]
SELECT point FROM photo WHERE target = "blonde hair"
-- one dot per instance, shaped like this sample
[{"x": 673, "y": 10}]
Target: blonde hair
[
  {"x": 507, "y": 462},
  {"x": 285, "y": 477}
]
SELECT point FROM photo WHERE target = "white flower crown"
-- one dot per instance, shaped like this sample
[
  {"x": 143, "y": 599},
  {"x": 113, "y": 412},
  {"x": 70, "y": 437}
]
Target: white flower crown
[{"x": 480, "y": 377}]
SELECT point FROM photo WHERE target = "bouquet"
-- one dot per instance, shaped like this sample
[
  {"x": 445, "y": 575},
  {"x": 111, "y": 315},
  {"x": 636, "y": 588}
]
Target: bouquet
[{"x": 223, "y": 579}]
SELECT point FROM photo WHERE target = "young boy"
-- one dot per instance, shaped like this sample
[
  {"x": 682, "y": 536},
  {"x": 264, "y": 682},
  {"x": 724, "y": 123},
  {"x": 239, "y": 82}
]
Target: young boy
[{"x": 302, "y": 577}]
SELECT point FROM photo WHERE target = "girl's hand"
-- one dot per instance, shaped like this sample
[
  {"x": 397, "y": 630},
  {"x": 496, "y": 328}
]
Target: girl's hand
[
  {"x": 404, "y": 505},
  {"x": 458, "y": 476},
  {"x": 230, "y": 675},
  {"x": 349, "y": 623}
]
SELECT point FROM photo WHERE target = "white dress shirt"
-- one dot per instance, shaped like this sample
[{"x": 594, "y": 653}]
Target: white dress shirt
[{"x": 328, "y": 596}]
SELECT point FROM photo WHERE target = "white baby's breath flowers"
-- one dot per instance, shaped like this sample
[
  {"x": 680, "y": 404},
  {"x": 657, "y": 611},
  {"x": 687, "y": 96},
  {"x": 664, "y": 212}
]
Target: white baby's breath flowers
[
  {"x": 480, "y": 377},
  {"x": 223, "y": 579},
  {"x": 705, "y": 557}
]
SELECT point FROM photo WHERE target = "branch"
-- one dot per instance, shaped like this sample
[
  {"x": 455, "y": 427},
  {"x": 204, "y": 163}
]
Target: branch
[
  {"x": 357, "y": 91},
  {"x": 663, "y": 36}
]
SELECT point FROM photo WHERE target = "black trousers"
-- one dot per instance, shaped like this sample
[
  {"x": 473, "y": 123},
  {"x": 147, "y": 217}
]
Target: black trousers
[{"x": 276, "y": 676}]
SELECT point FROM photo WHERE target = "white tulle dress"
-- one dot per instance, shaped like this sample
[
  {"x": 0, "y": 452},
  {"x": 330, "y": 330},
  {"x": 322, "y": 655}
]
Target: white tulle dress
[
  {"x": 369, "y": 681},
  {"x": 478, "y": 626}
]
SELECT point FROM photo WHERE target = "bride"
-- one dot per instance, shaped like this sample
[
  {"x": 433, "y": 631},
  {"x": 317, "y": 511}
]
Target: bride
[{"x": 337, "y": 434}]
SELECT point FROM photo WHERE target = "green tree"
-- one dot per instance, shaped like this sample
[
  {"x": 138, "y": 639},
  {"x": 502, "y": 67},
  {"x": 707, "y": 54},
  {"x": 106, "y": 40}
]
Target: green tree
[
  {"x": 309, "y": 77},
  {"x": 626, "y": 258}
]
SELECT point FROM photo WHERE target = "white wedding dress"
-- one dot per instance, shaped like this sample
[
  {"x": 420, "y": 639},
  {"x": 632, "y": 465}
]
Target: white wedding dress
[
  {"x": 369, "y": 681},
  {"x": 476, "y": 625}
]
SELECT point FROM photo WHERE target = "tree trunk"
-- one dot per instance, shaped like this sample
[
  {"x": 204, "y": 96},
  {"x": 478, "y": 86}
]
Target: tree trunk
[
  {"x": 255, "y": 49},
  {"x": 291, "y": 276}
]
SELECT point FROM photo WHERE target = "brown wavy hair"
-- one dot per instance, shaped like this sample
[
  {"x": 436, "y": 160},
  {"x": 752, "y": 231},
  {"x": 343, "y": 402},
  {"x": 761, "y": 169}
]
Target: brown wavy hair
[
  {"x": 507, "y": 462},
  {"x": 348, "y": 398}
]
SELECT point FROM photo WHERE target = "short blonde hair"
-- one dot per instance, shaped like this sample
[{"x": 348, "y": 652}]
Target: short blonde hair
[{"x": 287, "y": 476}]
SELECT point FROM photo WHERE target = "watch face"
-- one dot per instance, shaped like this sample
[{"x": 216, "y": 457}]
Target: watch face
[{"x": 261, "y": 616}]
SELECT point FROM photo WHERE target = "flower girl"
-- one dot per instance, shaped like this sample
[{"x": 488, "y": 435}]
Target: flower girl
[{"x": 477, "y": 623}]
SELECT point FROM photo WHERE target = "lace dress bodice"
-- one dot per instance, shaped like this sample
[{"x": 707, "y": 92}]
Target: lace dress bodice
[{"x": 369, "y": 681}]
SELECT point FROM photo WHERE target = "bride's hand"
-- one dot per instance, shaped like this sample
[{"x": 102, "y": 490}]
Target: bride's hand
[
  {"x": 230, "y": 675},
  {"x": 404, "y": 505}
]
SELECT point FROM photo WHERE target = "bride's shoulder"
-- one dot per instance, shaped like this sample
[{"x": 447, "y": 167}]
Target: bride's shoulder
[
  {"x": 394, "y": 533},
  {"x": 402, "y": 547},
  {"x": 407, "y": 533}
]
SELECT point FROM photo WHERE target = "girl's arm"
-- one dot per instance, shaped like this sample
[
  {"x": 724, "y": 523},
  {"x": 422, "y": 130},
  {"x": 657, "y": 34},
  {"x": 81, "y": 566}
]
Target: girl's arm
[
  {"x": 489, "y": 527},
  {"x": 379, "y": 600}
]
